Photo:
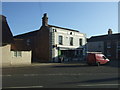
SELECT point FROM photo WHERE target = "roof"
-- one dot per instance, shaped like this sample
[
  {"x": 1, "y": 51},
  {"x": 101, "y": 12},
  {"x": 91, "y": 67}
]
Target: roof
[
  {"x": 33, "y": 33},
  {"x": 105, "y": 37},
  {"x": 7, "y": 36},
  {"x": 63, "y": 28}
]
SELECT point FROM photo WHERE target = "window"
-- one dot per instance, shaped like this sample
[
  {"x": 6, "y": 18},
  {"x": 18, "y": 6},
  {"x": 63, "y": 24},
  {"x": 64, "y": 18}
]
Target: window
[
  {"x": 118, "y": 46},
  {"x": 108, "y": 53},
  {"x": 108, "y": 45},
  {"x": 54, "y": 30},
  {"x": 71, "y": 41},
  {"x": 80, "y": 42},
  {"x": 17, "y": 54},
  {"x": 70, "y": 33},
  {"x": 28, "y": 42},
  {"x": 60, "y": 40}
]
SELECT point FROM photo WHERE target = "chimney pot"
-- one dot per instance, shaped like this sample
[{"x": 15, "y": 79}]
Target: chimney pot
[
  {"x": 45, "y": 20},
  {"x": 109, "y": 31}
]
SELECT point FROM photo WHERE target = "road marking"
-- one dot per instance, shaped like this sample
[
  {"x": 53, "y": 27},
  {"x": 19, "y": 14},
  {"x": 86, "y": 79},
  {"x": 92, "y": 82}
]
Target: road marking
[
  {"x": 30, "y": 74},
  {"x": 24, "y": 87},
  {"x": 54, "y": 74},
  {"x": 88, "y": 85},
  {"x": 7, "y": 75}
]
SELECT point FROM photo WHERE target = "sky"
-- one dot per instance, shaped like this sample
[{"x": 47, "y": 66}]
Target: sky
[{"x": 91, "y": 18}]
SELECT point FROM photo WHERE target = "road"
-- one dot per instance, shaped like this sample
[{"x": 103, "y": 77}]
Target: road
[{"x": 61, "y": 76}]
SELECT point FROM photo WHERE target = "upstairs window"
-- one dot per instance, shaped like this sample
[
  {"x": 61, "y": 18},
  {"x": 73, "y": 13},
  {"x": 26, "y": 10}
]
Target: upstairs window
[
  {"x": 60, "y": 40},
  {"x": 80, "y": 42},
  {"x": 70, "y": 33},
  {"x": 118, "y": 46},
  {"x": 108, "y": 45},
  {"x": 108, "y": 53},
  {"x": 71, "y": 41},
  {"x": 28, "y": 42}
]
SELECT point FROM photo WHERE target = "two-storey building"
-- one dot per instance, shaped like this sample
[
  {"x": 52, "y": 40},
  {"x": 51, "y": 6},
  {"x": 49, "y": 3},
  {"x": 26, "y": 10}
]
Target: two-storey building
[
  {"x": 108, "y": 44},
  {"x": 50, "y": 43},
  {"x": 66, "y": 43}
]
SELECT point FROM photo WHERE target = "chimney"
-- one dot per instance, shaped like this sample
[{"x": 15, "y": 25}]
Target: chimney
[
  {"x": 109, "y": 31},
  {"x": 2, "y": 18},
  {"x": 45, "y": 20}
]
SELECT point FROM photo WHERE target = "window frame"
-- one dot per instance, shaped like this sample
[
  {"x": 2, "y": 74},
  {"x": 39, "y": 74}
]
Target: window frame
[
  {"x": 80, "y": 41},
  {"x": 17, "y": 53},
  {"x": 71, "y": 41},
  {"x": 60, "y": 40}
]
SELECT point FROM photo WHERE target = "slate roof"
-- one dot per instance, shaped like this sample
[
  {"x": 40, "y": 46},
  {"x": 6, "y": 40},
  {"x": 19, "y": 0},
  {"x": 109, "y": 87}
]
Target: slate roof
[
  {"x": 34, "y": 33},
  {"x": 104, "y": 37},
  {"x": 63, "y": 28}
]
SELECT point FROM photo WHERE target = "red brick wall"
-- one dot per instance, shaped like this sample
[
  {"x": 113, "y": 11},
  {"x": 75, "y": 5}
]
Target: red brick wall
[{"x": 42, "y": 50}]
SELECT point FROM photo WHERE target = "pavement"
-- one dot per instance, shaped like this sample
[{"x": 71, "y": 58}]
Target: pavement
[
  {"x": 112, "y": 63},
  {"x": 45, "y": 64}
]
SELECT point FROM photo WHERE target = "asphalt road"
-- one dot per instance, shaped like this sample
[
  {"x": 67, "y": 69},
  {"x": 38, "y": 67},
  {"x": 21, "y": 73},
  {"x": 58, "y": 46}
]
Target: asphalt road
[{"x": 61, "y": 76}]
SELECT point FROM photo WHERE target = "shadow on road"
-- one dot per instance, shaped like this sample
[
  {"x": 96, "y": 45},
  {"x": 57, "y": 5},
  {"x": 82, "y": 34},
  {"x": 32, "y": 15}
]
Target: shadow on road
[
  {"x": 94, "y": 81},
  {"x": 101, "y": 80},
  {"x": 70, "y": 66},
  {"x": 114, "y": 63}
]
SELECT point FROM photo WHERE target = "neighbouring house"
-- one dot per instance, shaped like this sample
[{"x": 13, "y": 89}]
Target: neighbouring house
[
  {"x": 9, "y": 56},
  {"x": 107, "y": 44},
  {"x": 50, "y": 43}
]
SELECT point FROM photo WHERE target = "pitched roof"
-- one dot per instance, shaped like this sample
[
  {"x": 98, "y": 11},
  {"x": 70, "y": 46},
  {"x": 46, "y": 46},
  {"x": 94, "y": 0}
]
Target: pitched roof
[
  {"x": 104, "y": 37},
  {"x": 33, "y": 33},
  {"x": 7, "y": 36},
  {"x": 63, "y": 28}
]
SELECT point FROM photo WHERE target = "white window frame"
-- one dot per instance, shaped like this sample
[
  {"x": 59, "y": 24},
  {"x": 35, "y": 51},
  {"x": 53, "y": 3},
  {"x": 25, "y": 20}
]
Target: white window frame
[
  {"x": 60, "y": 40},
  {"x": 17, "y": 53},
  {"x": 71, "y": 41},
  {"x": 80, "y": 41}
]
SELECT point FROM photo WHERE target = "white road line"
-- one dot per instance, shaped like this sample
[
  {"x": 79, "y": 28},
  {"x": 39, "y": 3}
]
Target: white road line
[
  {"x": 30, "y": 74},
  {"x": 25, "y": 87},
  {"x": 53, "y": 74},
  {"x": 88, "y": 85},
  {"x": 7, "y": 75}
]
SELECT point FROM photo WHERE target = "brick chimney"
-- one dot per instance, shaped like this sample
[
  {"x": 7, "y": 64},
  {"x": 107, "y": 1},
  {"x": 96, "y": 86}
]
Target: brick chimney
[
  {"x": 45, "y": 20},
  {"x": 3, "y": 18},
  {"x": 109, "y": 31}
]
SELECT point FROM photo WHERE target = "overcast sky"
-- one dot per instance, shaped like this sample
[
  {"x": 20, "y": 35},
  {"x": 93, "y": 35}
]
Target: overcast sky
[{"x": 91, "y": 18}]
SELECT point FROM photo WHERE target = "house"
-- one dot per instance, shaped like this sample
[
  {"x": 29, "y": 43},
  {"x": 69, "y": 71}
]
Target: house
[
  {"x": 7, "y": 55},
  {"x": 107, "y": 44},
  {"x": 51, "y": 42}
]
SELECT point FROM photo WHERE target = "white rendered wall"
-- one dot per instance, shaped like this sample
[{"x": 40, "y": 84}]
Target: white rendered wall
[
  {"x": 8, "y": 57},
  {"x": 66, "y": 42}
]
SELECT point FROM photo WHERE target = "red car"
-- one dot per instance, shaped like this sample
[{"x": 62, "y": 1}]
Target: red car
[{"x": 96, "y": 58}]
